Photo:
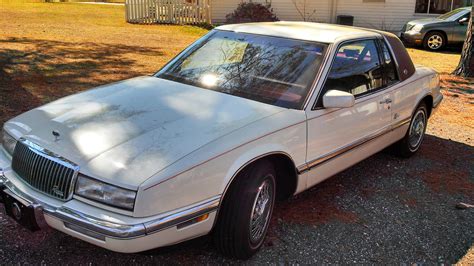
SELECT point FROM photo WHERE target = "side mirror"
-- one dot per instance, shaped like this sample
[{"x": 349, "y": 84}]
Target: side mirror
[
  {"x": 463, "y": 20},
  {"x": 338, "y": 99}
]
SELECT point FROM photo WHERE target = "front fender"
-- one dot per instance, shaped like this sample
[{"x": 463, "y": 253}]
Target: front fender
[{"x": 207, "y": 173}]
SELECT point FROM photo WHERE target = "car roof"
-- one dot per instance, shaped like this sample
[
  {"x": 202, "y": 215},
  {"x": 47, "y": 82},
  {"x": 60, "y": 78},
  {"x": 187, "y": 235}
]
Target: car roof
[
  {"x": 467, "y": 8},
  {"x": 307, "y": 31}
]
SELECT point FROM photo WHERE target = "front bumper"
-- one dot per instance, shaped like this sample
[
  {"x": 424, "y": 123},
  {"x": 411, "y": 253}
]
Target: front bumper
[
  {"x": 412, "y": 38},
  {"x": 114, "y": 232}
]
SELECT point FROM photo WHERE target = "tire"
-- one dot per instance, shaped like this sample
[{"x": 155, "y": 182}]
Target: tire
[
  {"x": 233, "y": 232},
  {"x": 413, "y": 139},
  {"x": 434, "y": 41}
]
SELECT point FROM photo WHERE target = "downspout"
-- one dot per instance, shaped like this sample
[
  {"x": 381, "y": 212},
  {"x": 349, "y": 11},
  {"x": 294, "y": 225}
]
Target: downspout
[{"x": 334, "y": 4}]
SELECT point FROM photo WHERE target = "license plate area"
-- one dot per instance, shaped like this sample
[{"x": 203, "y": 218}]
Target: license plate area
[{"x": 28, "y": 215}]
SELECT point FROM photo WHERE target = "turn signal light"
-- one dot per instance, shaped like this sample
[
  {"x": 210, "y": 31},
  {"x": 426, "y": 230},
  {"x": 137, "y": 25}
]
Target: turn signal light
[{"x": 193, "y": 221}]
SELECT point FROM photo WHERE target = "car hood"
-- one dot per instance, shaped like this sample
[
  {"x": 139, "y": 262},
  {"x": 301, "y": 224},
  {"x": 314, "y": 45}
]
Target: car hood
[
  {"x": 126, "y": 132},
  {"x": 426, "y": 21}
]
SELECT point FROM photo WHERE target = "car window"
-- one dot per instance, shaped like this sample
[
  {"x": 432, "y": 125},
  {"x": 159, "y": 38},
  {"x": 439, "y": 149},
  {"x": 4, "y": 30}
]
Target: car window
[
  {"x": 468, "y": 15},
  {"x": 451, "y": 15},
  {"x": 356, "y": 69},
  {"x": 391, "y": 75},
  {"x": 272, "y": 70}
]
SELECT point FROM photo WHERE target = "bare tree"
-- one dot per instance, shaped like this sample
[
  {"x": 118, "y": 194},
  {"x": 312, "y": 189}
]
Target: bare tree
[
  {"x": 301, "y": 7},
  {"x": 466, "y": 64}
]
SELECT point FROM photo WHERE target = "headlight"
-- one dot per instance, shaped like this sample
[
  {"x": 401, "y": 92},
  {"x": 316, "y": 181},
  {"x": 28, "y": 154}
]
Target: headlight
[
  {"x": 105, "y": 193},
  {"x": 417, "y": 28},
  {"x": 8, "y": 142}
]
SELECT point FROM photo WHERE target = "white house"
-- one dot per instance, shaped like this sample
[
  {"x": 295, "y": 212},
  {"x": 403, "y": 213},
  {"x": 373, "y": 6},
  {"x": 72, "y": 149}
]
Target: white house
[{"x": 388, "y": 15}]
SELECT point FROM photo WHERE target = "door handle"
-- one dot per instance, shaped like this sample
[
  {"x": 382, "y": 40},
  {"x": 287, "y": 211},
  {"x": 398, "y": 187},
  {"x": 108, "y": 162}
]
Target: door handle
[{"x": 387, "y": 101}]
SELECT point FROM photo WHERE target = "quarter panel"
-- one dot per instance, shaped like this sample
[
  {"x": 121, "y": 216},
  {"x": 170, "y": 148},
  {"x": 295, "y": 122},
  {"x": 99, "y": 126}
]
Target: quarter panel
[{"x": 408, "y": 94}]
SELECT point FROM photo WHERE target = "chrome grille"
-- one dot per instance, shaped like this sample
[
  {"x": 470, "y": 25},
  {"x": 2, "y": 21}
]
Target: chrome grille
[{"x": 44, "y": 171}]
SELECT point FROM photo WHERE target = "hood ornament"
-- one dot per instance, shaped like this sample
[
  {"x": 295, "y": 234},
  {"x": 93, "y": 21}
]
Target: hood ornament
[{"x": 56, "y": 135}]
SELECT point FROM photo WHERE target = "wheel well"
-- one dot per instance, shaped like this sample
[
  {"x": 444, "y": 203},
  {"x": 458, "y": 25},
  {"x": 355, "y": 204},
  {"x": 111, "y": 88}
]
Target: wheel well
[
  {"x": 428, "y": 100},
  {"x": 286, "y": 175},
  {"x": 440, "y": 31}
]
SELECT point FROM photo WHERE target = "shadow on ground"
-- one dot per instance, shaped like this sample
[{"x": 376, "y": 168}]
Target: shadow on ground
[
  {"x": 383, "y": 210},
  {"x": 33, "y": 72}
]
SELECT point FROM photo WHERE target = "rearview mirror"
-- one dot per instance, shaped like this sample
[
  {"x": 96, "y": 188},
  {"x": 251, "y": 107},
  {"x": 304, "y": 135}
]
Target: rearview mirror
[
  {"x": 338, "y": 99},
  {"x": 463, "y": 20}
]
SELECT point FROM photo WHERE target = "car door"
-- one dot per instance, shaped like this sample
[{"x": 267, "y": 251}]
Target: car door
[
  {"x": 357, "y": 67},
  {"x": 460, "y": 29}
]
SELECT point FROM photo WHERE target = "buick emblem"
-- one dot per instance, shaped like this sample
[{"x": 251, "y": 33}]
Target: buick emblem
[
  {"x": 56, "y": 135},
  {"x": 57, "y": 191}
]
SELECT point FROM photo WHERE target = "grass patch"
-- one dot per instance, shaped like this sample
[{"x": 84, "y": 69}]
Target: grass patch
[{"x": 49, "y": 50}]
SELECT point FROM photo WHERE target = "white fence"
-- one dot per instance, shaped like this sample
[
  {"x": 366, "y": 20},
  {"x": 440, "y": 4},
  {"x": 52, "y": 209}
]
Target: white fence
[{"x": 168, "y": 11}]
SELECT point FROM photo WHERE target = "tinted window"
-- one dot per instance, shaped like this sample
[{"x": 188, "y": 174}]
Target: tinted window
[
  {"x": 453, "y": 14},
  {"x": 272, "y": 70},
  {"x": 356, "y": 69},
  {"x": 468, "y": 16},
  {"x": 391, "y": 76}
]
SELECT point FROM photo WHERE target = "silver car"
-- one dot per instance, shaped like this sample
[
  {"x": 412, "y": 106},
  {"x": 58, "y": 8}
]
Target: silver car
[{"x": 436, "y": 33}]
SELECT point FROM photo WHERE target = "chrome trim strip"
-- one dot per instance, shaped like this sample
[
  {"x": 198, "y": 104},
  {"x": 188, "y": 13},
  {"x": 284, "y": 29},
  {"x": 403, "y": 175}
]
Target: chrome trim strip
[
  {"x": 400, "y": 123},
  {"x": 318, "y": 161},
  {"x": 99, "y": 226},
  {"x": 182, "y": 216},
  {"x": 48, "y": 154},
  {"x": 302, "y": 168},
  {"x": 223, "y": 153},
  {"x": 107, "y": 228}
]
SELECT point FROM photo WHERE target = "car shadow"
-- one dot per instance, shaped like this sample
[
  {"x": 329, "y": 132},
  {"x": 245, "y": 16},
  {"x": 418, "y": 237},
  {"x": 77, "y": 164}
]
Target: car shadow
[
  {"x": 382, "y": 210},
  {"x": 35, "y": 71},
  {"x": 450, "y": 49}
]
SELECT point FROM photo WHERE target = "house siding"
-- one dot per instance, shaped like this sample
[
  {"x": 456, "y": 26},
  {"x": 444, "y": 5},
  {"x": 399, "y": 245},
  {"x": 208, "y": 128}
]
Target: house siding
[
  {"x": 284, "y": 9},
  {"x": 390, "y": 15}
]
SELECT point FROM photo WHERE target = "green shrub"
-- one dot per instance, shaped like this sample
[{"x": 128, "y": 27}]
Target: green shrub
[{"x": 252, "y": 12}]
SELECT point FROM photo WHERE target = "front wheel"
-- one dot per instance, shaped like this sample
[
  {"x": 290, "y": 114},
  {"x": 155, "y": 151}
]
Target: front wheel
[
  {"x": 411, "y": 143},
  {"x": 434, "y": 41},
  {"x": 245, "y": 212}
]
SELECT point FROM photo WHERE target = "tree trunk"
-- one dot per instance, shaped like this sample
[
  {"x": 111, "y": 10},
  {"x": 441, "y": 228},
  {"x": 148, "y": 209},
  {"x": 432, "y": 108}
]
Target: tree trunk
[{"x": 466, "y": 64}]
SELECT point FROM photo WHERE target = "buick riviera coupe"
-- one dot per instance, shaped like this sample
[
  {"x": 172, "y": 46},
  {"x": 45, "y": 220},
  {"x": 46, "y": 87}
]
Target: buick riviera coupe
[{"x": 245, "y": 116}]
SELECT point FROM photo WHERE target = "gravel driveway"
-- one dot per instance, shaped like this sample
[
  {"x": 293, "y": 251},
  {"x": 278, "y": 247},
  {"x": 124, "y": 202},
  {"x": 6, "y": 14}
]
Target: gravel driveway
[{"x": 383, "y": 210}]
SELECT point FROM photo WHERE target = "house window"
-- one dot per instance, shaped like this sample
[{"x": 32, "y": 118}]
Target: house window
[{"x": 439, "y": 6}]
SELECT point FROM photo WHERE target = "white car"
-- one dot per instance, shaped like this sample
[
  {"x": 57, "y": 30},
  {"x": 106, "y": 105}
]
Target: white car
[{"x": 246, "y": 115}]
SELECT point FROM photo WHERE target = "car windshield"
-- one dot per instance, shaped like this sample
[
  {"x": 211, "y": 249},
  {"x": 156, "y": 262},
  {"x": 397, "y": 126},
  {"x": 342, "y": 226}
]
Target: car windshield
[
  {"x": 453, "y": 14},
  {"x": 271, "y": 70}
]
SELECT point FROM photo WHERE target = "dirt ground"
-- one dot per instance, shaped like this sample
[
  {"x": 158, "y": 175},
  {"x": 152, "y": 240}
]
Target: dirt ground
[{"x": 383, "y": 210}]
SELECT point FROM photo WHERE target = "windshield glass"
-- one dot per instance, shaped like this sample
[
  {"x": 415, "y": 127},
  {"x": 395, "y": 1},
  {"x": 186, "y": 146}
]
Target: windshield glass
[
  {"x": 271, "y": 70},
  {"x": 453, "y": 14}
]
